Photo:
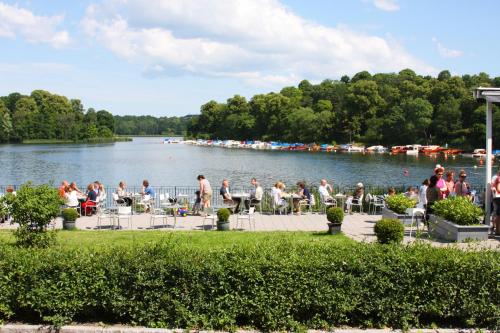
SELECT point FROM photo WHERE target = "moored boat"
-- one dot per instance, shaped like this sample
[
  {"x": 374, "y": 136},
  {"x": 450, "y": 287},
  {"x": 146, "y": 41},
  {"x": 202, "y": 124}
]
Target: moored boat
[
  {"x": 479, "y": 153},
  {"x": 398, "y": 150},
  {"x": 431, "y": 149}
]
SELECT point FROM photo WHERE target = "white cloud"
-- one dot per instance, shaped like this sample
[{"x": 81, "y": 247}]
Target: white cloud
[
  {"x": 387, "y": 5},
  {"x": 446, "y": 52},
  {"x": 258, "y": 41},
  {"x": 16, "y": 21}
]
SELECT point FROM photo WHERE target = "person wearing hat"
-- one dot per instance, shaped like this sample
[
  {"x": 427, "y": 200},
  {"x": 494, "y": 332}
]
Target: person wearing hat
[{"x": 441, "y": 184}]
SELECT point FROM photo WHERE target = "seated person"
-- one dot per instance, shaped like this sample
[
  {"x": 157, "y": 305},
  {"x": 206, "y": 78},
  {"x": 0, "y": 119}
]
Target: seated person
[
  {"x": 148, "y": 194},
  {"x": 62, "y": 188},
  {"x": 411, "y": 193},
  {"x": 123, "y": 197},
  {"x": 256, "y": 194},
  {"x": 357, "y": 197},
  {"x": 305, "y": 197},
  {"x": 101, "y": 194},
  {"x": 91, "y": 202},
  {"x": 277, "y": 193},
  {"x": 390, "y": 192},
  {"x": 226, "y": 197},
  {"x": 71, "y": 197},
  {"x": 75, "y": 188},
  {"x": 325, "y": 190}
]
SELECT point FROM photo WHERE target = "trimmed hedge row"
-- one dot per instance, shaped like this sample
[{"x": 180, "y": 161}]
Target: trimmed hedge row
[{"x": 268, "y": 285}]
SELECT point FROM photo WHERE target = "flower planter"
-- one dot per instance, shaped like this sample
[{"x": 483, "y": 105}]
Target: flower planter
[
  {"x": 334, "y": 228},
  {"x": 405, "y": 219},
  {"x": 444, "y": 229},
  {"x": 223, "y": 226},
  {"x": 69, "y": 225}
]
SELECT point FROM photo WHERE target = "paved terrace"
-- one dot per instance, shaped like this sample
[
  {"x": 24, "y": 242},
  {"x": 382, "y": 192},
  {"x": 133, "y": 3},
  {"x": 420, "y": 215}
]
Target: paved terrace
[{"x": 356, "y": 226}]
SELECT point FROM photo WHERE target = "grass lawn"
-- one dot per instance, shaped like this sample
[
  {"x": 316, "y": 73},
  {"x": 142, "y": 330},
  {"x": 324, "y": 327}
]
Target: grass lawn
[{"x": 209, "y": 239}]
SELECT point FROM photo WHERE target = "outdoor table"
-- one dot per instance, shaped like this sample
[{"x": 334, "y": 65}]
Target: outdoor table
[
  {"x": 341, "y": 198},
  {"x": 241, "y": 197},
  {"x": 136, "y": 198},
  {"x": 291, "y": 197}
]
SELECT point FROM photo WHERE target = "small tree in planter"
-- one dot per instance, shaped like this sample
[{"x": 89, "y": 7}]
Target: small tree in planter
[
  {"x": 69, "y": 216},
  {"x": 389, "y": 231},
  {"x": 457, "y": 219},
  {"x": 396, "y": 207},
  {"x": 335, "y": 217},
  {"x": 223, "y": 219},
  {"x": 33, "y": 207}
]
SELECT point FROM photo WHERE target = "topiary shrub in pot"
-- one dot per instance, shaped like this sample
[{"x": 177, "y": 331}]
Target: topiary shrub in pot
[
  {"x": 457, "y": 219},
  {"x": 335, "y": 217},
  {"x": 69, "y": 216},
  {"x": 389, "y": 231},
  {"x": 223, "y": 219}
]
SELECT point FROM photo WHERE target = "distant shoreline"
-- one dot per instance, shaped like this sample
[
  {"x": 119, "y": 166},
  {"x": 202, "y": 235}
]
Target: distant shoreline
[{"x": 94, "y": 140}]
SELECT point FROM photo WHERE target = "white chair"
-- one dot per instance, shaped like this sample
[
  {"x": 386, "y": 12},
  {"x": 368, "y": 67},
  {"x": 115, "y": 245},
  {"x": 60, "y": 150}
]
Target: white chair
[
  {"x": 327, "y": 203},
  {"x": 211, "y": 216},
  {"x": 105, "y": 214},
  {"x": 124, "y": 213},
  {"x": 308, "y": 204},
  {"x": 414, "y": 212},
  {"x": 358, "y": 204},
  {"x": 116, "y": 200},
  {"x": 278, "y": 204},
  {"x": 374, "y": 202},
  {"x": 248, "y": 215},
  {"x": 158, "y": 214}
]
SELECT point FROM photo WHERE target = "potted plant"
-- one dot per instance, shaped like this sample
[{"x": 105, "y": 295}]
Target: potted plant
[
  {"x": 457, "y": 219},
  {"x": 335, "y": 217},
  {"x": 69, "y": 216},
  {"x": 396, "y": 206},
  {"x": 223, "y": 219}
]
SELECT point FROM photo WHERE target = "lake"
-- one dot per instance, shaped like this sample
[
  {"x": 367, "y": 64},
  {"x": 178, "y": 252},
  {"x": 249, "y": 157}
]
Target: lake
[{"x": 178, "y": 165}]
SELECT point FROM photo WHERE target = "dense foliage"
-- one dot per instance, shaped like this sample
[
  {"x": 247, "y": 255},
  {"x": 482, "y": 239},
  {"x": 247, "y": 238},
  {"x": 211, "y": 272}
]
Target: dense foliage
[
  {"x": 33, "y": 207},
  {"x": 43, "y": 115},
  {"x": 149, "y": 125},
  {"x": 335, "y": 215},
  {"x": 402, "y": 108},
  {"x": 399, "y": 203},
  {"x": 458, "y": 210},
  {"x": 270, "y": 285},
  {"x": 389, "y": 231}
]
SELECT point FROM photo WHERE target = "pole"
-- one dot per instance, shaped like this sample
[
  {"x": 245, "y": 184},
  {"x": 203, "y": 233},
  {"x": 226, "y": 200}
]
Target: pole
[{"x": 489, "y": 145}]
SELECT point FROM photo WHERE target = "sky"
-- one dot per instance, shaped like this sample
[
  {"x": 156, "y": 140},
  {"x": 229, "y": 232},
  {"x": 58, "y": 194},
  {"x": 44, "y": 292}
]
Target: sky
[{"x": 168, "y": 57}]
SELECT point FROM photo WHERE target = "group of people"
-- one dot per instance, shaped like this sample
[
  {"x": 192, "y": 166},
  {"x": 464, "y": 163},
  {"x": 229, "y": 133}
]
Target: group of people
[
  {"x": 86, "y": 201},
  {"x": 300, "y": 198}
]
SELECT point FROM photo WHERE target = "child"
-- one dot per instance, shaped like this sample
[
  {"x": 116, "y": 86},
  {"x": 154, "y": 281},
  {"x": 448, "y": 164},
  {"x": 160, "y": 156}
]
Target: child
[{"x": 197, "y": 203}]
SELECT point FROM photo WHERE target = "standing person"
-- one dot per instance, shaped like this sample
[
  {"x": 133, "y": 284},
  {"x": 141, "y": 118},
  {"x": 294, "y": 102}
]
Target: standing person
[
  {"x": 462, "y": 188},
  {"x": 441, "y": 185},
  {"x": 205, "y": 192},
  {"x": 433, "y": 194},
  {"x": 256, "y": 194},
  {"x": 422, "y": 195},
  {"x": 450, "y": 184},
  {"x": 495, "y": 189}
]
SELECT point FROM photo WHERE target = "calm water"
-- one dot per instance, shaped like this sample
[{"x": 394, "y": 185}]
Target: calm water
[{"x": 176, "y": 164}]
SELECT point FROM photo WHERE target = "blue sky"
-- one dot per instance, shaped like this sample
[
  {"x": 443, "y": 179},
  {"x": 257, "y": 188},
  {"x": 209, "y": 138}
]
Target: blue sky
[{"x": 168, "y": 57}]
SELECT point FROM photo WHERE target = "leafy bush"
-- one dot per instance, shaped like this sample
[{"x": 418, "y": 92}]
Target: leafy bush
[
  {"x": 33, "y": 207},
  {"x": 69, "y": 214},
  {"x": 223, "y": 215},
  {"x": 335, "y": 215},
  {"x": 399, "y": 203},
  {"x": 273, "y": 285},
  {"x": 389, "y": 231},
  {"x": 458, "y": 210}
]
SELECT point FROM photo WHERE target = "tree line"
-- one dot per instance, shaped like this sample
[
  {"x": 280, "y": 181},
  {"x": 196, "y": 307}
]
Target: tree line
[{"x": 385, "y": 108}]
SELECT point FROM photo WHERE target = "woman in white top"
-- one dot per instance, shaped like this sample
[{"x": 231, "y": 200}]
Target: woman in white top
[
  {"x": 102, "y": 193},
  {"x": 277, "y": 193},
  {"x": 71, "y": 197},
  {"x": 422, "y": 194}
]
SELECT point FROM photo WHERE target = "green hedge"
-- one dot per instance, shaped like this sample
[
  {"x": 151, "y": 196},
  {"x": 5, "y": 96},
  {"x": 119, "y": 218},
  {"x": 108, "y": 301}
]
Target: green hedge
[{"x": 267, "y": 285}]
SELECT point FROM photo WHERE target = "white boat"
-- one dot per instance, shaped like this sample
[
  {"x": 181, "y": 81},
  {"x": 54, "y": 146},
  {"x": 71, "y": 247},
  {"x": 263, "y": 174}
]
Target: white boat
[
  {"x": 352, "y": 149},
  {"x": 413, "y": 149},
  {"x": 171, "y": 140},
  {"x": 479, "y": 153},
  {"x": 376, "y": 149}
]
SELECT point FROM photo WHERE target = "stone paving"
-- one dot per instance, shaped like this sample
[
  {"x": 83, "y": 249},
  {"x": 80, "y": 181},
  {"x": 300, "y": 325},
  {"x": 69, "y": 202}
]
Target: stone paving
[{"x": 356, "y": 226}]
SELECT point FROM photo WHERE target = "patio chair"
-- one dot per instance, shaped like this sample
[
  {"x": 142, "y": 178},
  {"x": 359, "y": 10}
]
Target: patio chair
[
  {"x": 414, "y": 212},
  {"x": 308, "y": 204},
  {"x": 158, "y": 214},
  {"x": 247, "y": 215},
  {"x": 124, "y": 213},
  {"x": 116, "y": 200},
  {"x": 325, "y": 203},
  {"x": 374, "y": 202},
  {"x": 105, "y": 214},
  {"x": 211, "y": 216},
  {"x": 358, "y": 204}
]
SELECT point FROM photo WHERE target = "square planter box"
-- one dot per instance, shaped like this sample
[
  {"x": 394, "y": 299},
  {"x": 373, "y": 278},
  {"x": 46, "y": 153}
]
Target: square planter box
[
  {"x": 405, "y": 219},
  {"x": 444, "y": 229}
]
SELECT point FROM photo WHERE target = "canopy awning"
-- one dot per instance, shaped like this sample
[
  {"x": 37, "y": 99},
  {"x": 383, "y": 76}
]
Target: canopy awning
[{"x": 489, "y": 94}]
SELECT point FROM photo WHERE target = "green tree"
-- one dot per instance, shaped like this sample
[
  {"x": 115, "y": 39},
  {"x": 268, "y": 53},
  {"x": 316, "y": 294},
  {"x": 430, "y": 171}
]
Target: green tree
[{"x": 5, "y": 123}]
